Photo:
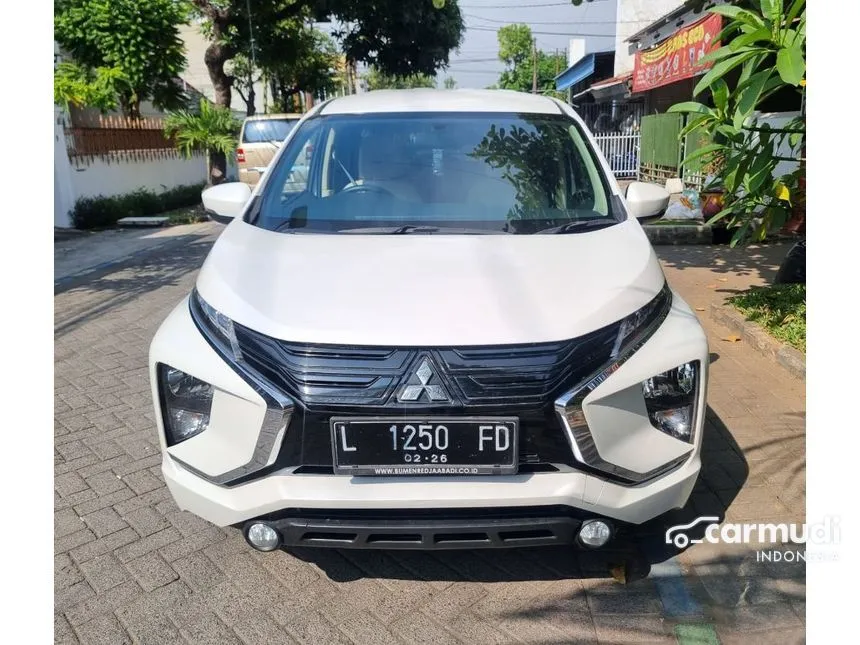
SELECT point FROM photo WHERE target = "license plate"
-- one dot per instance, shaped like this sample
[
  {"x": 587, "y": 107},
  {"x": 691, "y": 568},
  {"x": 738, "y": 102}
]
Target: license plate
[{"x": 380, "y": 446}]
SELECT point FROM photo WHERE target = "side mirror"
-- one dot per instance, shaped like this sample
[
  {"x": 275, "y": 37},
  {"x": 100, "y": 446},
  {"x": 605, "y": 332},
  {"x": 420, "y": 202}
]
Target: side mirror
[
  {"x": 646, "y": 201},
  {"x": 226, "y": 201}
]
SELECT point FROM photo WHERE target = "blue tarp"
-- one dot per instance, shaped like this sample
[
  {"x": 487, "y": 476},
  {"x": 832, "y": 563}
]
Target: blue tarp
[{"x": 579, "y": 71}]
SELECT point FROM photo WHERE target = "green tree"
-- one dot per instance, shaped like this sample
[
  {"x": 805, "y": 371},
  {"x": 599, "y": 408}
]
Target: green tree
[
  {"x": 515, "y": 44},
  {"x": 82, "y": 86},
  {"x": 449, "y": 83},
  {"x": 245, "y": 78},
  {"x": 398, "y": 38},
  {"x": 376, "y": 80},
  {"x": 766, "y": 41},
  {"x": 314, "y": 70},
  {"x": 516, "y": 52},
  {"x": 129, "y": 48},
  {"x": 210, "y": 129}
]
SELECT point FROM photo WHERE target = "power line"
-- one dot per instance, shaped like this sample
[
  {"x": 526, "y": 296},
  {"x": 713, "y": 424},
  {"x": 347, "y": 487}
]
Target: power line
[
  {"x": 555, "y": 22},
  {"x": 548, "y": 33},
  {"x": 526, "y": 6}
]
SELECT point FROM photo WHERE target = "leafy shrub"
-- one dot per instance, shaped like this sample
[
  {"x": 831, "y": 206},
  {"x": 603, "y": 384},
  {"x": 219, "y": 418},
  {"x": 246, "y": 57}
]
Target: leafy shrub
[
  {"x": 140, "y": 203},
  {"x": 95, "y": 212},
  {"x": 102, "y": 212},
  {"x": 181, "y": 196}
]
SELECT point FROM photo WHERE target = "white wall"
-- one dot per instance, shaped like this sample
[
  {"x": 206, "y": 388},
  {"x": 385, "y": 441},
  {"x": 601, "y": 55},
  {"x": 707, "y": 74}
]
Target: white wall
[
  {"x": 575, "y": 50},
  {"x": 780, "y": 120},
  {"x": 633, "y": 16},
  {"x": 114, "y": 175},
  {"x": 64, "y": 191},
  {"x": 117, "y": 176}
]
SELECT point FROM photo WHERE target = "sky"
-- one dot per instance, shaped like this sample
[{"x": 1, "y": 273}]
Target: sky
[{"x": 553, "y": 24}]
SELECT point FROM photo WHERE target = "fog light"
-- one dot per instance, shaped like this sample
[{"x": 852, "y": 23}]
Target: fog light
[
  {"x": 595, "y": 533},
  {"x": 262, "y": 537}
]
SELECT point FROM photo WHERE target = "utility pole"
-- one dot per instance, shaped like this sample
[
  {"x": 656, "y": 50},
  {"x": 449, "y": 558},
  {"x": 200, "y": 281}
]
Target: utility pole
[
  {"x": 251, "y": 93},
  {"x": 534, "y": 65}
]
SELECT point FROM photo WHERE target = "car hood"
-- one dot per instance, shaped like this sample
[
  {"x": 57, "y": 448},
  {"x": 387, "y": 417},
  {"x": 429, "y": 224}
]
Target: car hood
[{"x": 429, "y": 290}]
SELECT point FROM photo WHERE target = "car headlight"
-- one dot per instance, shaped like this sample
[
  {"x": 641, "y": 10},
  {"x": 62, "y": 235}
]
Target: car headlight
[
  {"x": 218, "y": 323},
  {"x": 636, "y": 327},
  {"x": 186, "y": 404},
  {"x": 670, "y": 398}
]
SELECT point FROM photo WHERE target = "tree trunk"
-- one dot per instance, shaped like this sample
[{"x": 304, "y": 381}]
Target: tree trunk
[
  {"x": 217, "y": 168},
  {"x": 252, "y": 95},
  {"x": 215, "y": 57},
  {"x": 130, "y": 106}
]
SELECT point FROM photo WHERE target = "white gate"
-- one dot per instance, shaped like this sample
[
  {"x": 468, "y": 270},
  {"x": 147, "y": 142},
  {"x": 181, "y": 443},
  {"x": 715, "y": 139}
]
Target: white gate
[{"x": 621, "y": 151}]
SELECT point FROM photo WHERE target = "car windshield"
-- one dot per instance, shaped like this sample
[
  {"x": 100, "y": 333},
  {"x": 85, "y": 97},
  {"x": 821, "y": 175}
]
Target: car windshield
[
  {"x": 264, "y": 130},
  {"x": 436, "y": 173}
]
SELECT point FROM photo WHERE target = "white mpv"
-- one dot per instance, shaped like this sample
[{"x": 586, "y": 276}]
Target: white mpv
[{"x": 435, "y": 323}]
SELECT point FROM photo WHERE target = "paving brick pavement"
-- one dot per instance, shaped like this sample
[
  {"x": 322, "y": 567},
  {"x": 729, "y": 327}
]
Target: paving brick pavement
[{"x": 131, "y": 568}]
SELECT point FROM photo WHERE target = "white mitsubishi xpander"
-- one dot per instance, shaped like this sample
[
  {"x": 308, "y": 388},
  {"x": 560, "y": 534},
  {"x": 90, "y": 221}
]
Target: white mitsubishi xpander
[{"x": 435, "y": 323}]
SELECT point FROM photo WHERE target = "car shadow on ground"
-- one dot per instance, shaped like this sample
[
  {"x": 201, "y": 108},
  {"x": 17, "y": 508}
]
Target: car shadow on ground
[{"x": 629, "y": 558}]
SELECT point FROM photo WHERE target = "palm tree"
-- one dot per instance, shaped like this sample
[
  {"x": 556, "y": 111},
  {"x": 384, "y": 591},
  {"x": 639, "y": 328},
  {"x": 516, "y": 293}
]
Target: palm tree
[{"x": 212, "y": 130}]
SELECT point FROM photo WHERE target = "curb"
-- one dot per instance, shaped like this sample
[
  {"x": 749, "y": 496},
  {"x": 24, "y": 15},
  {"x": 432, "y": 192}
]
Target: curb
[
  {"x": 667, "y": 234},
  {"x": 791, "y": 359}
]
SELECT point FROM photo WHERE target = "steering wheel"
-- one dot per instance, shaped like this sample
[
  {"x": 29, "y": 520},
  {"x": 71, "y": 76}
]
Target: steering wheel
[{"x": 366, "y": 187}]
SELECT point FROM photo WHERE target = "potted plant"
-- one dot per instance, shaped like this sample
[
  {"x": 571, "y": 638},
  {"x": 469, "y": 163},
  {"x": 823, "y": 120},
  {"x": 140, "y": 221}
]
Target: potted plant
[
  {"x": 713, "y": 197},
  {"x": 713, "y": 192}
]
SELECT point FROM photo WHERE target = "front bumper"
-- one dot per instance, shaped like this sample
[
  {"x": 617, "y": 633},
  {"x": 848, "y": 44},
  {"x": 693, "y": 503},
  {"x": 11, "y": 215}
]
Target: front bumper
[
  {"x": 622, "y": 437},
  {"x": 279, "y": 491},
  {"x": 428, "y": 529}
]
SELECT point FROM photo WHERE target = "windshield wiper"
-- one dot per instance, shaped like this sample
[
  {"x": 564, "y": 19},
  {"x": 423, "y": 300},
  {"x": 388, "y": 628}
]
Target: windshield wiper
[
  {"x": 411, "y": 228},
  {"x": 580, "y": 225}
]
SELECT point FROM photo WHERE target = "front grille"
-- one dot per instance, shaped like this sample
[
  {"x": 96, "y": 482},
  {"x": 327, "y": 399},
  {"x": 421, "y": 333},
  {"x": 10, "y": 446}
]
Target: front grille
[
  {"x": 507, "y": 377},
  {"x": 328, "y": 380}
]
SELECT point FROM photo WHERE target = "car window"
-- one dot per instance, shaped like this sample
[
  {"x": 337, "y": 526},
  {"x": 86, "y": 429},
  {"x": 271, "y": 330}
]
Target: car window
[
  {"x": 259, "y": 131},
  {"x": 297, "y": 178},
  {"x": 496, "y": 172}
]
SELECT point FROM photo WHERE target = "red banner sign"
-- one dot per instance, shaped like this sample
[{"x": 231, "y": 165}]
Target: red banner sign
[{"x": 678, "y": 56}]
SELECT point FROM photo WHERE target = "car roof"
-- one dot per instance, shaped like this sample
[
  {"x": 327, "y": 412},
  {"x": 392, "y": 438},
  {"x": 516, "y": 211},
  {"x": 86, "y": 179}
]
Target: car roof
[
  {"x": 268, "y": 117},
  {"x": 432, "y": 100}
]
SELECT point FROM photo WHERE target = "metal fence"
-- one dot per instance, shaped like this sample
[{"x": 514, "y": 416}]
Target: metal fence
[
  {"x": 90, "y": 134},
  {"x": 621, "y": 151},
  {"x": 605, "y": 118}
]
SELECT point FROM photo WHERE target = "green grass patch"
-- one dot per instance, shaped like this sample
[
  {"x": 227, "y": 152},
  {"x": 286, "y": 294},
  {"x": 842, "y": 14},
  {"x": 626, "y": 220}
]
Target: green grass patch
[{"x": 780, "y": 309}]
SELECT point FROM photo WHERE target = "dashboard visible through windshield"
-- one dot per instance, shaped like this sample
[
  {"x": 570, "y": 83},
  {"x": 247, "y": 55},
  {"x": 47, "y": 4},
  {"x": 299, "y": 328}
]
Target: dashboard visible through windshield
[{"x": 436, "y": 173}]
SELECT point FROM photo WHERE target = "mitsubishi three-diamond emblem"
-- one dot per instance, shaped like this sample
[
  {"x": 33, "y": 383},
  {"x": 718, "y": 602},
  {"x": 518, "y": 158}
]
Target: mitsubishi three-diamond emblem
[{"x": 423, "y": 381}]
